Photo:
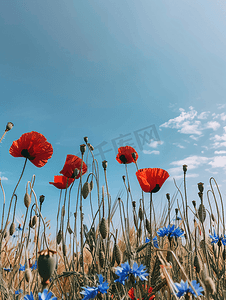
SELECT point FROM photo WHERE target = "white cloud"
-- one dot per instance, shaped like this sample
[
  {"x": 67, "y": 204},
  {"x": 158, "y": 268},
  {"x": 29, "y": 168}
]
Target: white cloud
[
  {"x": 151, "y": 152},
  {"x": 221, "y": 116},
  {"x": 176, "y": 177},
  {"x": 219, "y": 140},
  {"x": 213, "y": 125},
  {"x": 220, "y": 152},
  {"x": 203, "y": 115},
  {"x": 220, "y": 106},
  {"x": 196, "y": 138},
  {"x": 179, "y": 145},
  {"x": 218, "y": 162},
  {"x": 155, "y": 144},
  {"x": 3, "y": 177},
  {"x": 193, "y": 161}
]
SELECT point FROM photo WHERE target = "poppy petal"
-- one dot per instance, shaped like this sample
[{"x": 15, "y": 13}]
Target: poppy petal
[
  {"x": 73, "y": 162},
  {"x": 61, "y": 182},
  {"x": 124, "y": 155},
  {"x": 151, "y": 179}
]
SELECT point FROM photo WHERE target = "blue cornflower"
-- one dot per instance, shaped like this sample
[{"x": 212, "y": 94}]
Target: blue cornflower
[
  {"x": 123, "y": 272},
  {"x": 139, "y": 271},
  {"x": 29, "y": 297},
  {"x": 216, "y": 239},
  {"x": 22, "y": 268},
  {"x": 19, "y": 292},
  {"x": 184, "y": 288},
  {"x": 91, "y": 292},
  {"x": 46, "y": 296},
  {"x": 103, "y": 285},
  {"x": 170, "y": 231},
  {"x": 34, "y": 267},
  {"x": 155, "y": 242},
  {"x": 7, "y": 269}
]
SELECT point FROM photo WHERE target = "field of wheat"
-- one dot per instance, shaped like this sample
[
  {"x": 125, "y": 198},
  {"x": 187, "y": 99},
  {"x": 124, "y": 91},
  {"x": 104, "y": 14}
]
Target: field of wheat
[{"x": 178, "y": 254}]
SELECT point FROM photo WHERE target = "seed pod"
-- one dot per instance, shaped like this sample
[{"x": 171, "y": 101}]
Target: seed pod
[
  {"x": 27, "y": 200},
  {"x": 103, "y": 228},
  {"x": 134, "y": 156},
  {"x": 101, "y": 258},
  {"x": 196, "y": 264},
  {"x": 117, "y": 254},
  {"x": 202, "y": 213},
  {"x": 104, "y": 164},
  {"x": 64, "y": 250},
  {"x": 91, "y": 185},
  {"x": 70, "y": 231},
  {"x": 28, "y": 275},
  {"x": 83, "y": 148},
  {"x": 86, "y": 189},
  {"x": 148, "y": 227},
  {"x": 46, "y": 266},
  {"x": 86, "y": 139},
  {"x": 140, "y": 213},
  {"x": 201, "y": 187},
  {"x": 59, "y": 237},
  {"x": 139, "y": 232},
  {"x": 9, "y": 126},
  {"x": 34, "y": 220},
  {"x": 90, "y": 146},
  {"x": 12, "y": 228}
]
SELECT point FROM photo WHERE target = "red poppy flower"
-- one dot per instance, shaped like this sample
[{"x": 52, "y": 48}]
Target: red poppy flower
[
  {"x": 131, "y": 294},
  {"x": 151, "y": 179},
  {"x": 34, "y": 146},
  {"x": 73, "y": 162},
  {"x": 61, "y": 182},
  {"x": 125, "y": 156}
]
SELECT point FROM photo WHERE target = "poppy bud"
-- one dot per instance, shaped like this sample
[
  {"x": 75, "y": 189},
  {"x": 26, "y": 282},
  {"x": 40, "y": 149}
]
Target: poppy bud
[
  {"x": 134, "y": 204},
  {"x": 194, "y": 203},
  {"x": 83, "y": 148},
  {"x": 103, "y": 228},
  {"x": 59, "y": 237},
  {"x": 104, "y": 164},
  {"x": 12, "y": 228},
  {"x": 41, "y": 199},
  {"x": 134, "y": 156},
  {"x": 27, "y": 200},
  {"x": 124, "y": 178},
  {"x": 168, "y": 196},
  {"x": 200, "y": 195},
  {"x": 9, "y": 126},
  {"x": 75, "y": 173},
  {"x": 140, "y": 213},
  {"x": 91, "y": 185},
  {"x": 101, "y": 258},
  {"x": 86, "y": 139},
  {"x": 64, "y": 250},
  {"x": 212, "y": 217},
  {"x": 91, "y": 148},
  {"x": 34, "y": 220},
  {"x": 176, "y": 211},
  {"x": 86, "y": 189},
  {"x": 28, "y": 275},
  {"x": 185, "y": 167},
  {"x": 201, "y": 187}
]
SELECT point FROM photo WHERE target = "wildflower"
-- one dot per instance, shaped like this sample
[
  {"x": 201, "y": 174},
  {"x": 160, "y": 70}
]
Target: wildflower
[
  {"x": 22, "y": 268},
  {"x": 34, "y": 146},
  {"x": 7, "y": 269},
  {"x": 170, "y": 231},
  {"x": 46, "y": 296},
  {"x": 19, "y": 292},
  {"x": 184, "y": 288},
  {"x": 216, "y": 239},
  {"x": 73, "y": 162},
  {"x": 151, "y": 179},
  {"x": 61, "y": 182},
  {"x": 29, "y": 297},
  {"x": 155, "y": 241},
  {"x": 125, "y": 155},
  {"x": 124, "y": 271},
  {"x": 91, "y": 292},
  {"x": 34, "y": 266},
  {"x": 131, "y": 294},
  {"x": 139, "y": 271},
  {"x": 103, "y": 285}
]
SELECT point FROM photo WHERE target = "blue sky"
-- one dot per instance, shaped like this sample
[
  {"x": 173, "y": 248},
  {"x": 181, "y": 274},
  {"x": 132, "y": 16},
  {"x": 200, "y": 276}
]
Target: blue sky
[{"x": 102, "y": 69}]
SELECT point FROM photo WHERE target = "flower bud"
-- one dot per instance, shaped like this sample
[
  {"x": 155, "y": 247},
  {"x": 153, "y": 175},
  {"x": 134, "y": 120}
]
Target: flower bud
[
  {"x": 176, "y": 211},
  {"x": 168, "y": 196},
  {"x": 83, "y": 148},
  {"x": 28, "y": 275},
  {"x": 134, "y": 156},
  {"x": 194, "y": 203},
  {"x": 9, "y": 126},
  {"x": 86, "y": 139},
  {"x": 185, "y": 167},
  {"x": 91, "y": 148},
  {"x": 27, "y": 200},
  {"x": 201, "y": 187},
  {"x": 34, "y": 220},
  {"x": 104, "y": 164},
  {"x": 75, "y": 173},
  {"x": 41, "y": 199}
]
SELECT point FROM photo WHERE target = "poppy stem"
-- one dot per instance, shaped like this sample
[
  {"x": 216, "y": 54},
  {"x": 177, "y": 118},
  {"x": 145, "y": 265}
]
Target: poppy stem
[
  {"x": 21, "y": 175},
  {"x": 150, "y": 215}
]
